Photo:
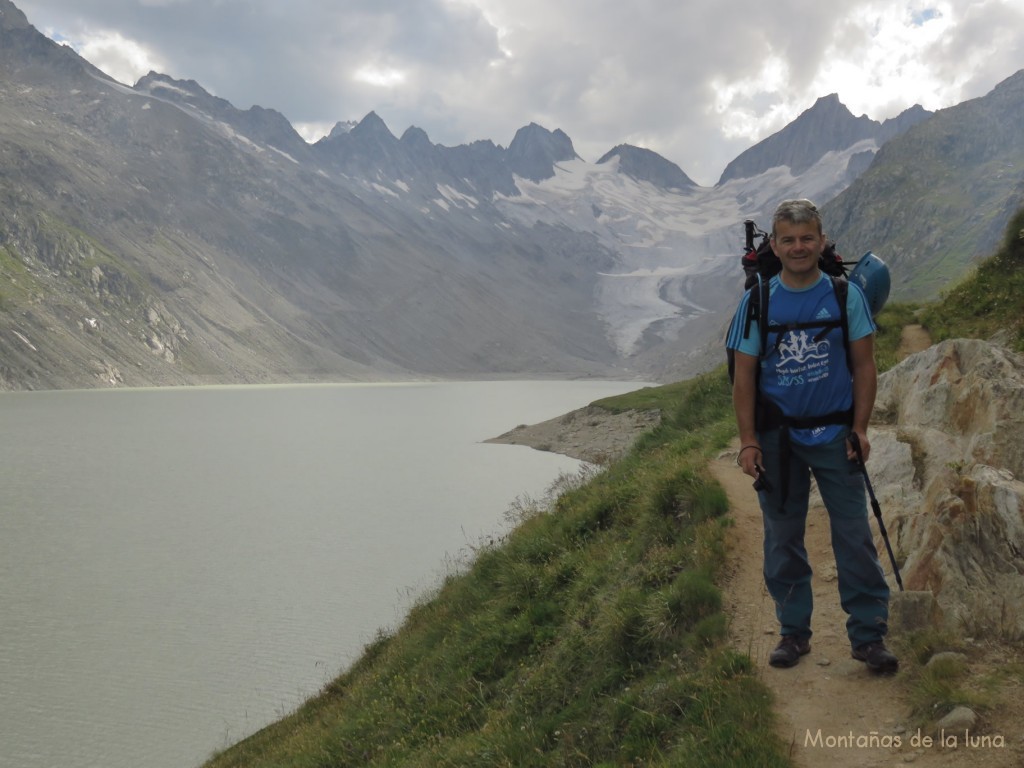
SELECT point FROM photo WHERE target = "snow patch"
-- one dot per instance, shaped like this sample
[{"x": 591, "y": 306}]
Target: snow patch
[
  {"x": 283, "y": 154},
  {"x": 453, "y": 195},
  {"x": 384, "y": 190},
  {"x": 27, "y": 343},
  {"x": 675, "y": 251}
]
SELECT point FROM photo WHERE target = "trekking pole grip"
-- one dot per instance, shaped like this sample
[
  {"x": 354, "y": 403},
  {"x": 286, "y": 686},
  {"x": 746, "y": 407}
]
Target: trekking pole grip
[{"x": 854, "y": 439}]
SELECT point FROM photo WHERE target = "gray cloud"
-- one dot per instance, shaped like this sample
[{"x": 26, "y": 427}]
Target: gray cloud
[{"x": 697, "y": 82}]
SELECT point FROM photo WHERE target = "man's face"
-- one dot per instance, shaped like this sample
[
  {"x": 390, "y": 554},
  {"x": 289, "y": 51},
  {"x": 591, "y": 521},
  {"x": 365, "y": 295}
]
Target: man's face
[{"x": 798, "y": 246}]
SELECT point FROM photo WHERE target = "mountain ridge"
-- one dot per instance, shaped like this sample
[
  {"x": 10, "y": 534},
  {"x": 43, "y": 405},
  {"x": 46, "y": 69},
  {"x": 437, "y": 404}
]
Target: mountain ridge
[
  {"x": 826, "y": 126},
  {"x": 159, "y": 235}
]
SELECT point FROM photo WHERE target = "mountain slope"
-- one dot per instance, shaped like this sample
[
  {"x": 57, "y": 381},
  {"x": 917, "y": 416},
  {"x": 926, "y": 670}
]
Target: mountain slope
[
  {"x": 937, "y": 198},
  {"x": 155, "y": 237},
  {"x": 826, "y": 127},
  {"x": 159, "y": 235}
]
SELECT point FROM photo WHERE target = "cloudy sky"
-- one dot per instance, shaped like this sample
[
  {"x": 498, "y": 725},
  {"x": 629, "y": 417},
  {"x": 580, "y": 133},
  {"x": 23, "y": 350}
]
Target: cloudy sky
[{"x": 697, "y": 81}]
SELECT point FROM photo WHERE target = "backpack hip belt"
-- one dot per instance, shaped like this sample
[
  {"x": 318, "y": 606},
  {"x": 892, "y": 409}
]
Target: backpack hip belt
[{"x": 768, "y": 416}]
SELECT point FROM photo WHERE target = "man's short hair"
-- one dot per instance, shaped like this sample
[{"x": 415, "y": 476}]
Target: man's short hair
[{"x": 796, "y": 212}]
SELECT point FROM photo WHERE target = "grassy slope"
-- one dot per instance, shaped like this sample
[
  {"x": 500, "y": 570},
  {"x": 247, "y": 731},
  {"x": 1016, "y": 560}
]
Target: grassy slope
[
  {"x": 594, "y": 634},
  {"x": 989, "y": 301}
]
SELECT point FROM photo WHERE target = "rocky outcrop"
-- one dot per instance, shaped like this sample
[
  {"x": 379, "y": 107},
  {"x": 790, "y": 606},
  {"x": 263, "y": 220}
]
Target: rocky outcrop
[
  {"x": 947, "y": 455},
  {"x": 590, "y": 434}
]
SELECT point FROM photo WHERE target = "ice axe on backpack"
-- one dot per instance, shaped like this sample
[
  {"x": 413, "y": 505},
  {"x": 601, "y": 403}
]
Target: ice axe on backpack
[{"x": 855, "y": 442}]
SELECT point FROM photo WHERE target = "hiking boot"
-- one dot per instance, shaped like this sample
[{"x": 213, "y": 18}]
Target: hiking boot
[
  {"x": 789, "y": 650},
  {"x": 877, "y": 657}
]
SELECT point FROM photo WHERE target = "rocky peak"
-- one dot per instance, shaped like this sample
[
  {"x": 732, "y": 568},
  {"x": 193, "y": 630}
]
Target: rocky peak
[
  {"x": 903, "y": 122},
  {"x": 373, "y": 127},
  {"x": 264, "y": 126},
  {"x": 155, "y": 82},
  {"x": 416, "y": 139},
  {"x": 947, "y": 463},
  {"x": 535, "y": 150},
  {"x": 340, "y": 129},
  {"x": 827, "y": 126},
  {"x": 11, "y": 17},
  {"x": 644, "y": 165},
  {"x": 370, "y": 149},
  {"x": 33, "y": 57}
]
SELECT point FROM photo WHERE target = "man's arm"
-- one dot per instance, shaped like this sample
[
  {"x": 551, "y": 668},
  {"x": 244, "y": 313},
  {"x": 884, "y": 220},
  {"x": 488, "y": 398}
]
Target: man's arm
[
  {"x": 865, "y": 386},
  {"x": 744, "y": 396}
]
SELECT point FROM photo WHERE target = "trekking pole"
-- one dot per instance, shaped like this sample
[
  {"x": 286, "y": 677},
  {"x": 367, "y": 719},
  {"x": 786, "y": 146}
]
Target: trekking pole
[{"x": 855, "y": 442}]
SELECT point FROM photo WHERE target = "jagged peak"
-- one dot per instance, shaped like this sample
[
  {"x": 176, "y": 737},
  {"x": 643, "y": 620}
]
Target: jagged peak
[
  {"x": 645, "y": 164},
  {"x": 828, "y": 125},
  {"x": 829, "y": 105},
  {"x": 829, "y": 99},
  {"x": 341, "y": 128},
  {"x": 11, "y": 17},
  {"x": 415, "y": 136},
  {"x": 372, "y": 125},
  {"x": 533, "y": 136},
  {"x": 157, "y": 80}
]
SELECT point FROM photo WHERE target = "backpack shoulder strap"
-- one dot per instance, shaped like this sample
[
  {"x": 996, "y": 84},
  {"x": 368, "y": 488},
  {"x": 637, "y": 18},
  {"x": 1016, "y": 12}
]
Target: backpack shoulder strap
[
  {"x": 757, "y": 298},
  {"x": 842, "y": 290},
  {"x": 757, "y": 309}
]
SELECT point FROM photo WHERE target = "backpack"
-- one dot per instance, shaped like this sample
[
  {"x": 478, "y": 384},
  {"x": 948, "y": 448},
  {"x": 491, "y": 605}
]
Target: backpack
[{"x": 760, "y": 265}]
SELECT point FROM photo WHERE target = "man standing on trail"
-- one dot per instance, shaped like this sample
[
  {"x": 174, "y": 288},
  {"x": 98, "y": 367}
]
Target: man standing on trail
[{"x": 797, "y": 401}]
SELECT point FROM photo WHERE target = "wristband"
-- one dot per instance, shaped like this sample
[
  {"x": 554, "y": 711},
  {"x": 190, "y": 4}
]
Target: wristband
[{"x": 745, "y": 447}]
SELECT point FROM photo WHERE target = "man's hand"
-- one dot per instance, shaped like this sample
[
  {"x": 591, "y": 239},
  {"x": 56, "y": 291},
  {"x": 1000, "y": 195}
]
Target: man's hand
[
  {"x": 750, "y": 455},
  {"x": 865, "y": 446}
]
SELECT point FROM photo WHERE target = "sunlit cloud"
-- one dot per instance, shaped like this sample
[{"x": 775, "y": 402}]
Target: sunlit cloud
[
  {"x": 880, "y": 62},
  {"x": 313, "y": 132},
  {"x": 123, "y": 59},
  {"x": 384, "y": 77}
]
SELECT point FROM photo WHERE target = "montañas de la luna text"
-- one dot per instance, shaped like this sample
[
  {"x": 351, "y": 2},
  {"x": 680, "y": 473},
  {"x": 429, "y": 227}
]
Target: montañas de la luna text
[{"x": 875, "y": 740}]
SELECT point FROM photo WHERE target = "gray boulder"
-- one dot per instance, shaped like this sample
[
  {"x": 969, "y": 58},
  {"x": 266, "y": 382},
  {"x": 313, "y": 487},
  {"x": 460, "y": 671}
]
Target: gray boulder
[{"x": 946, "y": 455}]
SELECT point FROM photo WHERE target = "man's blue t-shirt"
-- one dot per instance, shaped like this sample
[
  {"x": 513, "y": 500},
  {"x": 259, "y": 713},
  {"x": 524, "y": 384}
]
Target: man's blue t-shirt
[{"x": 804, "y": 376}]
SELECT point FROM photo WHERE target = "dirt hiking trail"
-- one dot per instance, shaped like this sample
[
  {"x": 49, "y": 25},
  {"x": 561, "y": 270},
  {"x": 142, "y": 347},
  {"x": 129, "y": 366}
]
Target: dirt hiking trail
[{"x": 831, "y": 710}]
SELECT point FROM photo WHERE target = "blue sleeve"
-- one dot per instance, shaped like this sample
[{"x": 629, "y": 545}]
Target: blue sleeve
[
  {"x": 750, "y": 344},
  {"x": 858, "y": 314}
]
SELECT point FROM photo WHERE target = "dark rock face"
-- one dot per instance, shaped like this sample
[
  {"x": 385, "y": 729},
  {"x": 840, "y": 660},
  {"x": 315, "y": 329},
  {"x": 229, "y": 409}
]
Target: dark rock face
[
  {"x": 645, "y": 165},
  {"x": 535, "y": 150},
  {"x": 825, "y": 127}
]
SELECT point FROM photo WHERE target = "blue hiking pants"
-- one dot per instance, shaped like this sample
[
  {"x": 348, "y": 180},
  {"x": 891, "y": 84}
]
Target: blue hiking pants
[{"x": 863, "y": 591}]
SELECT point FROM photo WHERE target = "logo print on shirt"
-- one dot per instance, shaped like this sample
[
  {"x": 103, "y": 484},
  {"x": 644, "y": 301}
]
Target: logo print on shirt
[
  {"x": 799, "y": 347},
  {"x": 823, "y": 314}
]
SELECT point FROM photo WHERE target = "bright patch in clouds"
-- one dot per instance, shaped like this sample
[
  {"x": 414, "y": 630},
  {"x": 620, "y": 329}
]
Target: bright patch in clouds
[
  {"x": 878, "y": 61},
  {"x": 384, "y": 77},
  {"x": 881, "y": 63},
  {"x": 313, "y": 132},
  {"x": 744, "y": 117}
]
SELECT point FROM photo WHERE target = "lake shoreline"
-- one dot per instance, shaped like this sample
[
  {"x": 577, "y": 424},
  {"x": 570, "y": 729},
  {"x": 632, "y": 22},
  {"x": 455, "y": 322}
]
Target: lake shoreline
[{"x": 590, "y": 434}]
